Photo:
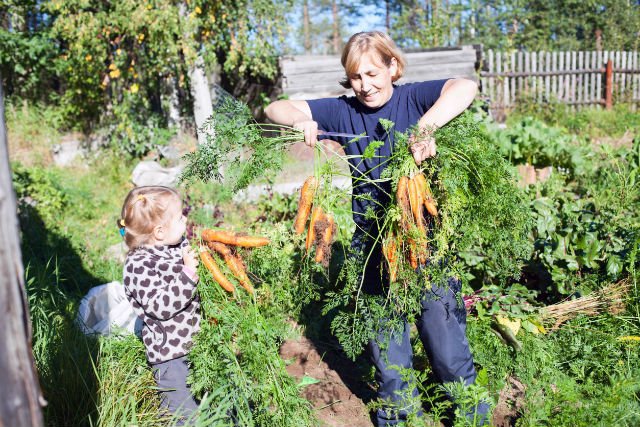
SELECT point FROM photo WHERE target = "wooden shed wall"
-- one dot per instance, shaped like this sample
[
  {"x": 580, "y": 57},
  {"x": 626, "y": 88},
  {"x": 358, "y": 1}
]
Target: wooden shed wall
[{"x": 316, "y": 76}]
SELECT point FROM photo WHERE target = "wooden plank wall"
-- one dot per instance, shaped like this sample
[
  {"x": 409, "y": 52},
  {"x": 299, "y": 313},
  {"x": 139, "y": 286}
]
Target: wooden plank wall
[
  {"x": 317, "y": 76},
  {"x": 574, "y": 78}
]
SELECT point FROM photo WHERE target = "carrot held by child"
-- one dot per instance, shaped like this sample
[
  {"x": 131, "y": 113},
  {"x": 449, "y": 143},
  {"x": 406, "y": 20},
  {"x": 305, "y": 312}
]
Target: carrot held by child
[
  {"x": 234, "y": 263},
  {"x": 234, "y": 239},
  {"x": 213, "y": 268}
]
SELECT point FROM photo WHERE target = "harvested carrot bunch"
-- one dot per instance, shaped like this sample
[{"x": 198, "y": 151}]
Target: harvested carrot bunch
[
  {"x": 235, "y": 264},
  {"x": 223, "y": 242},
  {"x": 408, "y": 239},
  {"x": 322, "y": 226}
]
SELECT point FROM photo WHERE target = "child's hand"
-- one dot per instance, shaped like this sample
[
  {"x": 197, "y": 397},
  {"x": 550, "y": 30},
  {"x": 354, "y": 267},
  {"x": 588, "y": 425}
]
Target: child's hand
[{"x": 190, "y": 258}]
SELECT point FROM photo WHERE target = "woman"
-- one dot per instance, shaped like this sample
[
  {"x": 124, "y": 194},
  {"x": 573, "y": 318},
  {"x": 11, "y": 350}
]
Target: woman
[{"x": 372, "y": 64}]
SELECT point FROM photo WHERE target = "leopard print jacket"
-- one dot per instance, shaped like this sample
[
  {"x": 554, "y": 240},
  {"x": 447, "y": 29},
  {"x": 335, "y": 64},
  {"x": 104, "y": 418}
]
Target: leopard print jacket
[{"x": 164, "y": 298}]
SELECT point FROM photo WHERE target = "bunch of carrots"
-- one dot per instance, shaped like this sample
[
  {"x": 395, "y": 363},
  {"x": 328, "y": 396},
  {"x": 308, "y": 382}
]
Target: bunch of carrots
[
  {"x": 221, "y": 242},
  {"x": 408, "y": 238},
  {"x": 322, "y": 226}
]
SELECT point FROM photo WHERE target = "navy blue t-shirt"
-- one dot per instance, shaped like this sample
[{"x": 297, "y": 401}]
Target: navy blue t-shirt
[{"x": 407, "y": 105}]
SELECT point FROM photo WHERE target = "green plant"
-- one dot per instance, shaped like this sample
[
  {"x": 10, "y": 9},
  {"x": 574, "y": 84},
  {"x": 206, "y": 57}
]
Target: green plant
[
  {"x": 235, "y": 357},
  {"x": 39, "y": 188},
  {"x": 468, "y": 398},
  {"x": 127, "y": 391},
  {"x": 531, "y": 141},
  {"x": 63, "y": 355},
  {"x": 136, "y": 137},
  {"x": 238, "y": 150},
  {"x": 588, "y": 226},
  {"x": 584, "y": 221},
  {"x": 590, "y": 122}
]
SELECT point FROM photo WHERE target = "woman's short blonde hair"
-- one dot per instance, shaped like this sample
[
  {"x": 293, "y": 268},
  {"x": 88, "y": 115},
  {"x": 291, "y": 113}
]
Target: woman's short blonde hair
[
  {"x": 143, "y": 209},
  {"x": 375, "y": 42}
]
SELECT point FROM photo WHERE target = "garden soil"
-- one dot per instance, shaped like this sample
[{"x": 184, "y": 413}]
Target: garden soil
[
  {"x": 339, "y": 397},
  {"x": 335, "y": 404}
]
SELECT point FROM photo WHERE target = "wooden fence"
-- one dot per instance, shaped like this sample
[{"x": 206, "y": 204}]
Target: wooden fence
[{"x": 573, "y": 78}]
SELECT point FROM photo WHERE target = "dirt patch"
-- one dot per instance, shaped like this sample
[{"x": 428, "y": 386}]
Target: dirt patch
[
  {"x": 510, "y": 403},
  {"x": 334, "y": 402}
]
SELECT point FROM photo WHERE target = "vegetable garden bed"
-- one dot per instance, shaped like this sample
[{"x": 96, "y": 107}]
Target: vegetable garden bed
[{"x": 583, "y": 236}]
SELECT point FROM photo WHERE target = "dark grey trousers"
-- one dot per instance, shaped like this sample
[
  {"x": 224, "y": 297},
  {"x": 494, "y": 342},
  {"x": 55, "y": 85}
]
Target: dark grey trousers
[
  {"x": 441, "y": 327},
  {"x": 171, "y": 377}
]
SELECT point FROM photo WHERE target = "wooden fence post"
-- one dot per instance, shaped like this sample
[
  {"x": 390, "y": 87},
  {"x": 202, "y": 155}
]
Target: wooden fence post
[
  {"x": 20, "y": 397},
  {"x": 608, "y": 86}
]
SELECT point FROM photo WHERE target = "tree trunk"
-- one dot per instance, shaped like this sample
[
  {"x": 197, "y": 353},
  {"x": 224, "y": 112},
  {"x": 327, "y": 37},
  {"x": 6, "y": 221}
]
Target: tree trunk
[
  {"x": 202, "y": 107},
  {"x": 460, "y": 28},
  {"x": 199, "y": 86},
  {"x": 171, "y": 100},
  {"x": 387, "y": 15},
  {"x": 336, "y": 28},
  {"x": 434, "y": 21},
  {"x": 20, "y": 396},
  {"x": 306, "y": 25},
  {"x": 472, "y": 24}
]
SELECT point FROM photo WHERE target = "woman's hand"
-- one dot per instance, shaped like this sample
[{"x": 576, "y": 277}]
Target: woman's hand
[
  {"x": 310, "y": 130},
  {"x": 189, "y": 257},
  {"x": 422, "y": 147},
  {"x": 294, "y": 113}
]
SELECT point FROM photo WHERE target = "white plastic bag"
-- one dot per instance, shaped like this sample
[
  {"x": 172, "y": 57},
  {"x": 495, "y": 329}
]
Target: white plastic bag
[
  {"x": 106, "y": 310},
  {"x": 148, "y": 172}
]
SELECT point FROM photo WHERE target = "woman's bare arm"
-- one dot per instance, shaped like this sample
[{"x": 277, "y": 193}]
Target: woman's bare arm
[
  {"x": 455, "y": 97},
  {"x": 294, "y": 113}
]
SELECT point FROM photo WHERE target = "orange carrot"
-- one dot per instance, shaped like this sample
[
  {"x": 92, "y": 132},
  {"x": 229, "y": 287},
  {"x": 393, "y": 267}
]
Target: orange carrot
[
  {"x": 311, "y": 234},
  {"x": 221, "y": 248},
  {"x": 416, "y": 206},
  {"x": 237, "y": 268},
  {"x": 413, "y": 254},
  {"x": 233, "y": 239},
  {"x": 402, "y": 197},
  {"x": 304, "y": 204},
  {"x": 389, "y": 250},
  {"x": 217, "y": 275},
  {"x": 429, "y": 202},
  {"x": 234, "y": 263},
  {"x": 323, "y": 250}
]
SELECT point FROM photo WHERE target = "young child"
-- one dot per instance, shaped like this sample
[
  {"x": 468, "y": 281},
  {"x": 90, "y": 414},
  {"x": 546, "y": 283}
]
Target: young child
[{"x": 160, "y": 282}]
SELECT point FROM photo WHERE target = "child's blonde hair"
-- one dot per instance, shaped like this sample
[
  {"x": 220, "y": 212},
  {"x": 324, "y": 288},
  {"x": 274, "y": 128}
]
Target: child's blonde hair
[
  {"x": 376, "y": 42},
  {"x": 143, "y": 209}
]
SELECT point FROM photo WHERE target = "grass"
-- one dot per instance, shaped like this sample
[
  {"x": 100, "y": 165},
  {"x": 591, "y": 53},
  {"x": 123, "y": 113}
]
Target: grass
[
  {"x": 32, "y": 130},
  {"x": 127, "y": 391}
]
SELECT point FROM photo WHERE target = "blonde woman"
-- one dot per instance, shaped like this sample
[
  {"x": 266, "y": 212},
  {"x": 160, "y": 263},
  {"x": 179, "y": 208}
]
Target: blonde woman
[{"x": 372, "y": 64}]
